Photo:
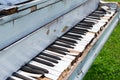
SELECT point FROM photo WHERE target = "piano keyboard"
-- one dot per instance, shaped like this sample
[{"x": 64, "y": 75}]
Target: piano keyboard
[{"x": 58, "y": 58}]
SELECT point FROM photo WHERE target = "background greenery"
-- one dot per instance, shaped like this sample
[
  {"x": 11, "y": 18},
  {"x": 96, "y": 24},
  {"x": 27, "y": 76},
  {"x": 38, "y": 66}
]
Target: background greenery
[{"x": 107, "y": 64}]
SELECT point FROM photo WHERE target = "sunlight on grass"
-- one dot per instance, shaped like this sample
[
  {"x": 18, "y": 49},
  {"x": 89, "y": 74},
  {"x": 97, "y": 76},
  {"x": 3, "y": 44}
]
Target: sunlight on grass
[{"x": 113, "y": 0}]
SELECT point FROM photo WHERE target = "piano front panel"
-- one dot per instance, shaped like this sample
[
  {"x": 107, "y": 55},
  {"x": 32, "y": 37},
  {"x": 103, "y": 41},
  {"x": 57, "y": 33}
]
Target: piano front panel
[
  {"x": 38, "y": 40},
  {"x": 60, "y": 59}
]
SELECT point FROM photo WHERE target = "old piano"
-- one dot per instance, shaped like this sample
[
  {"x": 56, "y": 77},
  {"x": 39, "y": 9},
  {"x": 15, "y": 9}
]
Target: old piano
[{"x": 53, "y": 39}]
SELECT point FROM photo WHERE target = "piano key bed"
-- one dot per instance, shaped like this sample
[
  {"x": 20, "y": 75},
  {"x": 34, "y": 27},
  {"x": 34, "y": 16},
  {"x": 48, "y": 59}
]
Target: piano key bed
[{"x": 59, "y": 59}]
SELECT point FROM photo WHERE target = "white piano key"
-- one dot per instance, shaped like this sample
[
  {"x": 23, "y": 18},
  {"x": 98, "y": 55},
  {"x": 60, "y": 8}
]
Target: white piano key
[
  {"x": 37, "y": 75},
  {"x": 28, "y": 75},
  {"x": 51, "y": 70},
  {"x": 105, "y": 17},
  {"x": 105, "y": 7},
  {"x": 16, "y": 78},
  {"x": 79, "y": 48},
  {"x": 88, "y": 36},
  {"x": 56, "y": 70},
  {"x": 68, "y": 58},
  {"x": 110, "y": 13},
  {"x": 60, "y": 64},
  {"x": 82, "y": 42},
  {"x": 51, "y": 76},
  {"x": 96, "y": 20}
]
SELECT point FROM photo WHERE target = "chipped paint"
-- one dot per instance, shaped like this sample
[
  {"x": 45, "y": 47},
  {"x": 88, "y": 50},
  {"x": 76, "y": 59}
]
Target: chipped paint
[
  {"x": 65, "y": 29},
  {"x": 48, "y": 31},
  {"x": 33, "y": 8}
]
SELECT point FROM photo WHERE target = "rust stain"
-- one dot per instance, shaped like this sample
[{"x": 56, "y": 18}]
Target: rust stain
[
  {"x": 48, "y": 31},
  {"x": 119, "y": 4},
  {"x": 9, "y": 11},
  {"x": 33, "y": 8},
  {"x": 55, "y": 30},
  {"x": 65, "y": 28},
  {"x": 44, "y": 78}
]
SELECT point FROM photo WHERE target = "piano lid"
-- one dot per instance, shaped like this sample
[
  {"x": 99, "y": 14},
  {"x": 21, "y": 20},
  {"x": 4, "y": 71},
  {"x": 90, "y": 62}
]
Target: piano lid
[
  {"x": 13, "y": 2},
  {"x": 25, "y": 3}
]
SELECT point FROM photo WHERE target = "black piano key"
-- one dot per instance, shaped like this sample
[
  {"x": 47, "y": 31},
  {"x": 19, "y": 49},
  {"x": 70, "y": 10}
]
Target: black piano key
[
  {"x": 100, "y": 12},
  {"x": 99, "y": 15},
  {"x": 73, "y": 39},
  {"x": 81, "y": 24},
  {"x": 67, "y": 41},
  {"x": 71, "y": 36},
  {"x": 63, "y": 44},
  {"x": 83, "y": 21},
  {"x": 51, "y": 56},
  {"x": 47, "y": 58},
  {"x": 86, "y": 22},
  {"x": 30, "y": 70},
  {"x": 79, "y": 31},
  {"x": 37, "y": 68},
  {"x": 57, "y": 49},
  {"x": 10, "y": 78},
  {"x": 85, "y": 27},
  {"x": 101, "y": 9},
  {"x": 93, "y": 17},
  {"x": 21, "y": 76},
  {"x": 77, "y": 35},
  {"x": 44, "y": 62}
]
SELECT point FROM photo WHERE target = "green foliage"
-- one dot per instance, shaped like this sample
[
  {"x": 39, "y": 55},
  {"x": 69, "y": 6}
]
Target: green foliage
[
  {"x": 107, "y": 64},
  {"x": 113, "y": 0}
]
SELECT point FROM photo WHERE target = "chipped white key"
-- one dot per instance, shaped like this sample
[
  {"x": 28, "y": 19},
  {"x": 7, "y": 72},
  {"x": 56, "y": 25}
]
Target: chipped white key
[
  {"x": 37, "y": 75},
  {"x": 15, "y": 78},
  {"x": 28, "y": 75}
]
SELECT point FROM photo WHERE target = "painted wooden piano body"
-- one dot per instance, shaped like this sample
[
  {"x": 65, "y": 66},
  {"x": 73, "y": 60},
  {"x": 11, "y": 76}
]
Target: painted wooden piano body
[{"x": 31, "y": 27}]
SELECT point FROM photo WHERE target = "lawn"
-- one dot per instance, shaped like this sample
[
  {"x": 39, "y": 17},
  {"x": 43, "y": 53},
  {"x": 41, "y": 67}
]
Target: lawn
[
  {"x": 107, "y": 64},
  {"x": 113, "y": 0}
]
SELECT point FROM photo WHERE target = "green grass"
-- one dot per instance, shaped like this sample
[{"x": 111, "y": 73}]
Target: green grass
[
  {"x": 107, "y": 64},
  {"x": 113, "y": 0}
]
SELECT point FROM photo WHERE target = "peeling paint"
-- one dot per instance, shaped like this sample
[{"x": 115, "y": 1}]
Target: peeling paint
[
  {"x": 65, "y": 29},
  {"x": 48, "y": 31},
  {"x": 33, "y": 8},
  {"x": 54, "y": 30}
]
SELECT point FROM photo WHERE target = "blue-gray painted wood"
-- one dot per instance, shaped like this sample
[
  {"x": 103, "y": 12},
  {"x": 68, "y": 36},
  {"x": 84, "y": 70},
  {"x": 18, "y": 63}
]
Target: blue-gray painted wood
[
  {"x": 24, "y": 50},
  {"x": 15, "y": 26},
  {"x": 83, "y": 67}
]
